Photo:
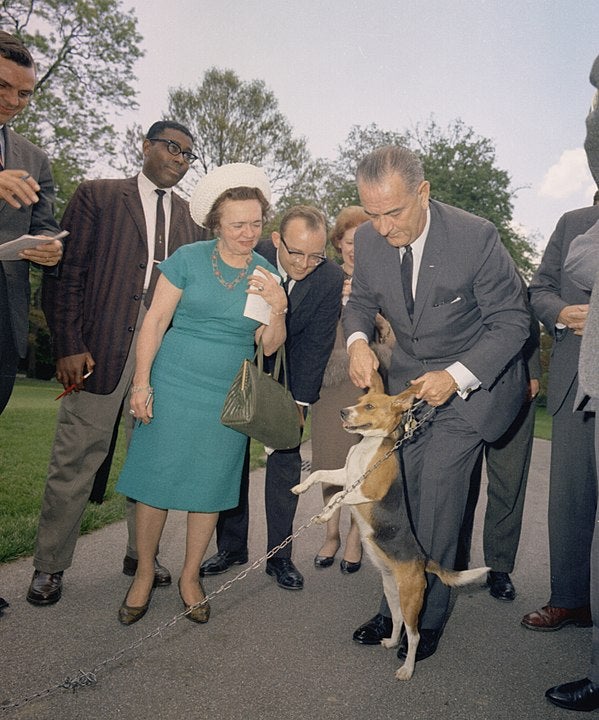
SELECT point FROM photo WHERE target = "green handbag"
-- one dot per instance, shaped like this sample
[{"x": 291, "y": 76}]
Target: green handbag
[{"x": 261, "y": 407}]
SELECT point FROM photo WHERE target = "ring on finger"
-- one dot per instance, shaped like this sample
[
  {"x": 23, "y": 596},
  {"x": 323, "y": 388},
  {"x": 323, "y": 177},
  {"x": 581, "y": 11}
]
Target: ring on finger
[
  {"x": 25, "y": 177},
  {"x": 260, "y": 288},
  {"x": 131, "y": 412}
]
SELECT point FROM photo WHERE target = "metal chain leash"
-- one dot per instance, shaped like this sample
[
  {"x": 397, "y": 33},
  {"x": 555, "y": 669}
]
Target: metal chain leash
[{"x": 86, "y": 678}]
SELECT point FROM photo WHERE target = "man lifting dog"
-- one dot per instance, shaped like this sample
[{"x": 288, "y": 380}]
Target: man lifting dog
[{"x": 450, "y": 290}]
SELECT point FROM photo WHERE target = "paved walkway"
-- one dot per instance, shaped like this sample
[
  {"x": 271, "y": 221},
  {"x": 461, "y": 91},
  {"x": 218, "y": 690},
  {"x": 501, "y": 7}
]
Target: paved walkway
[{"x": 271, "y": 654}]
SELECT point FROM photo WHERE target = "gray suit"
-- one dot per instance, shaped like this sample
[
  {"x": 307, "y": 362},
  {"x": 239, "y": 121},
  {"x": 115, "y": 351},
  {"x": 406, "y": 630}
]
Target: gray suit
[
  {"x": 468, "y": 308},
  {"x": 582, "y": 264},
  {"x": 37, "y": 219},
  {"x": 572, "y": 483}
]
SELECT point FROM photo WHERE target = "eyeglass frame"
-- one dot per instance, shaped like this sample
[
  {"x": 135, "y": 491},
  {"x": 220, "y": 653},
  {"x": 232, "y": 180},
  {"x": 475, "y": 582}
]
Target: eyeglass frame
[
  {"x": 189, "y": 157},
  {"x": 313, "y": 260}
]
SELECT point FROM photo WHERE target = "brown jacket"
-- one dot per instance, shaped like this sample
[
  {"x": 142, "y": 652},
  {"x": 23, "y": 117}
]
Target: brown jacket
[{"x": 93, "y": 305}]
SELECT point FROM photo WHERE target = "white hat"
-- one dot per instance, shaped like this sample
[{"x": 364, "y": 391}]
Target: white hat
[{"x": 225, "y": 177}]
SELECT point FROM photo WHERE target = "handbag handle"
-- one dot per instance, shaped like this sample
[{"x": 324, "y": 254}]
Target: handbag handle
[{"x": 280, "y": 360}]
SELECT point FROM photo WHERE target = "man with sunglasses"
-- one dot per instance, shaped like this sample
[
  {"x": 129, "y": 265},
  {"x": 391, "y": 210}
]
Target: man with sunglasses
[
  {"x": 119, "y": 232},
  {"x": 314, "y": 286}
]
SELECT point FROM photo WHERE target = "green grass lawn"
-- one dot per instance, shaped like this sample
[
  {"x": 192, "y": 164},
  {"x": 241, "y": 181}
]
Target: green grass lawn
[{"x": 26, "y": 433}]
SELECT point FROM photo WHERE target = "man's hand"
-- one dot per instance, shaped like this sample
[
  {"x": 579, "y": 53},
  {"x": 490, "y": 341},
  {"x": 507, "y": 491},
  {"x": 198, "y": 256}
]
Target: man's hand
[
  {"x": 533, "y": 389},
  {"x": 362, "y": 363},
  {"x": 18, "y": 188},
  {"x": 48, "y": 252},
  {"x": 574, "y": 317},
  {"x": 437, "y": 387},
  {"x": 71, "y": 369}
]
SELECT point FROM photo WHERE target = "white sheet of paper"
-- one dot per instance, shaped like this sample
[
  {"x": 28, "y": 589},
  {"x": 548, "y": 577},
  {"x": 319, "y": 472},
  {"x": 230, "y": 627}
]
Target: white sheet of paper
[
  {"x": 256, "y": 306},
  {"x": 11, "y": 249}
]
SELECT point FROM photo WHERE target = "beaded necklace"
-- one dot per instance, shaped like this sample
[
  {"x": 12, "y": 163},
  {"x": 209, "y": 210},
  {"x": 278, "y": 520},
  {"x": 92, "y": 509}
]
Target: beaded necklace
[{"x": 219, "y": 276}]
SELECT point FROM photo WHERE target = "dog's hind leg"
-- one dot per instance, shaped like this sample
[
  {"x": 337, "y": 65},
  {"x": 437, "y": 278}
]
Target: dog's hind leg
[{"x": 411, "y": 585}]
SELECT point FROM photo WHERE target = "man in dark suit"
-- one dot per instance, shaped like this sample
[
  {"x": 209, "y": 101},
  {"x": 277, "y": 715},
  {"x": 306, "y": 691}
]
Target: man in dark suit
[
  {"x": 452, "y": 294},
  {"x": 562, "y": 306},
  {"x": 314, "y": 286},
  {"x": 26, "y": 208},
  {"x": 119, "y": 231}
]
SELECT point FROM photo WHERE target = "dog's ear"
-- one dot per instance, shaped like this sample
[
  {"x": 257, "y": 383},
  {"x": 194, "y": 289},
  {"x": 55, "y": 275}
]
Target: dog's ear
[
  {"x": 376, "y": 383},
  {"x": 406, "y": 398}
]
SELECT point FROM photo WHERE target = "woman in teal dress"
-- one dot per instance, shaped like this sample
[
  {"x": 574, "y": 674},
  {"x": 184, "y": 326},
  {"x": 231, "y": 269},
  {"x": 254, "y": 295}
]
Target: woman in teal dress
[{"x": 181, "y": 456}]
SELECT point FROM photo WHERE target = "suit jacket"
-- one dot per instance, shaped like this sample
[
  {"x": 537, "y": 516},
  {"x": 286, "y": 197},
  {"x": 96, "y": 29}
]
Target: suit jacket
[
  {"x": 314, "y": 307},
  {"x": 582, "y": 266},
  {"x": 94, "y": 304},
  {"x": 551, "y": 290},
  {"x": 37, "y": 219},
  {"x": 468, "y": 308}
]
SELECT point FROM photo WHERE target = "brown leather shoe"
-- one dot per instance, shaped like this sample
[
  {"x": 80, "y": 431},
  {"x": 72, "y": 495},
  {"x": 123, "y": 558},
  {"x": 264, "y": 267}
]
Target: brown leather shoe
[
  {"x": 45, "y": 588},
  {"x": 162, "y": 576},
  {"x": 553, "y": 618}
]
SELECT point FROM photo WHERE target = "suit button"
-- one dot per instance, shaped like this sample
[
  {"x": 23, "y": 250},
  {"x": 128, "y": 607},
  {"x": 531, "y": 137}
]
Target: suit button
[
  {"x": 142, "y": 266},
  {"x": 136, "y": 297},
  {"x": 414, "y": 339},
  {"x": 130, "y": 329}
]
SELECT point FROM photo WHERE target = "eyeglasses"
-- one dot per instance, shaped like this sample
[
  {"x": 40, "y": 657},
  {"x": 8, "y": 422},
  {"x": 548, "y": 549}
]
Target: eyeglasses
[
  {"x": 297, "y": 256},
  {"x": 175, "y": 149}
]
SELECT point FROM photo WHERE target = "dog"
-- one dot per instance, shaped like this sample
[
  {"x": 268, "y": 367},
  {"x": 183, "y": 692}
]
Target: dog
[{"x": 379, "y": 509}]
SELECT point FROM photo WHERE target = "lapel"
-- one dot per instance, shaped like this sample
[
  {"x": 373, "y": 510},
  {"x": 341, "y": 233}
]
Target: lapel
[
  {"x": 430, "y": 266},
  {"x": 12, "y": 155},
  {"x": 132, "y": 203}
]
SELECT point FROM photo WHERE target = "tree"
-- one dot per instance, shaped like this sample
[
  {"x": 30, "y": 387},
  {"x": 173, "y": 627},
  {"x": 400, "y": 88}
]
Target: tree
[
  {"x": 461, "y": 168},
  {"x": 85, "y": 51},
  {"x": 237, "y": 121}
]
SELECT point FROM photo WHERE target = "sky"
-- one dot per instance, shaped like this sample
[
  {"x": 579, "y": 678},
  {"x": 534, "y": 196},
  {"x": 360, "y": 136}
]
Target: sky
[{"x": 516, "y": 71}]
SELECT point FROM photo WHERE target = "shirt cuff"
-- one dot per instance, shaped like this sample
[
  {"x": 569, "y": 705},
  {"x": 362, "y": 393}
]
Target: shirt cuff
[
  {"x": 465, "y": 380},
  {"x": 356, "y": 336}
]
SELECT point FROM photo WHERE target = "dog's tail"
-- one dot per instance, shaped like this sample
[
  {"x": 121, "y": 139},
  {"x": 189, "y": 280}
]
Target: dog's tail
[{"x": 455, "y": 578}]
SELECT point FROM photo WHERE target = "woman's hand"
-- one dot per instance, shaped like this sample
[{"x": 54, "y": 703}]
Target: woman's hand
[
  {"x": 266, "y": 286},
  {"x": 141, "y": 401}
]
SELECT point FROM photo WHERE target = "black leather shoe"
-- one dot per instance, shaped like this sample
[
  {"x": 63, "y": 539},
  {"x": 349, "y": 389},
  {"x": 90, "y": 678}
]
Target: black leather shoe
[
  {"x": 45, "y": 588},
  {"x": 501, "y": 586},
  {"x": 348, "y": 567},
  {"x": 162, "y": 577},
  {"x": 373, "y": 631},
  {"x": 222, "y": 561},
  {"x": 429, "y": 640},
  {"x": 287, "y": 575},
  {"x": 579, "y": 695}
]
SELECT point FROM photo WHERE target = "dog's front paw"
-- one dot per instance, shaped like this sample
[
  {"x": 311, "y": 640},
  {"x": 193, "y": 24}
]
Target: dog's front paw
[
  {"x": 404, "y": 673},
  {"x": 299, "y": 489}
]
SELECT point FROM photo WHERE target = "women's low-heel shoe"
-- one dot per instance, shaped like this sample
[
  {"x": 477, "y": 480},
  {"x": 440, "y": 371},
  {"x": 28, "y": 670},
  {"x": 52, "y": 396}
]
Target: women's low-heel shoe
[
  {"x": 128, "y": 614},
  {"x": 199, "y": 614},
  {"x": 349, "y": 567},
  {"x": 324, "y": 561}
]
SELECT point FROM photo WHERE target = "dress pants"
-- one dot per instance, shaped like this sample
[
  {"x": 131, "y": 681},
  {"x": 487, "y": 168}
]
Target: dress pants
[
  {"x": 9, "y": 356},
  {"x": 436, "y": 467},
  {"x": 84, "y": 430},
  {"x": 572, "y": 504},
  {"x": 593, "y": 673},
  {"x": 283, "y": 471},
  {"x": 508, "y": 463}
]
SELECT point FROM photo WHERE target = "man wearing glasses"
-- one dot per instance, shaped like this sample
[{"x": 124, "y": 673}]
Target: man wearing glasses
[
  {"x": 314, "y": 286},
  {"x": 119, "y": 231}
]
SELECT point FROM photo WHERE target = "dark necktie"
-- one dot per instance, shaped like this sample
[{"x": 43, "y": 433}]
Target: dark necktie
[
  {"x": 159, "y": 236},
  {"x": 407, "y": 271}
]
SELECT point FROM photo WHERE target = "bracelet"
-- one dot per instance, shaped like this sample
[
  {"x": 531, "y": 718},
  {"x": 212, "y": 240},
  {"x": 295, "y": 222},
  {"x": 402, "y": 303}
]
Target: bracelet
[
  {"x": 283, "y": 312},
  {"x": 141, "y": 388}
]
